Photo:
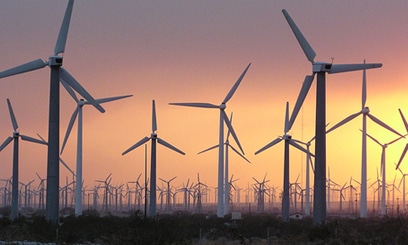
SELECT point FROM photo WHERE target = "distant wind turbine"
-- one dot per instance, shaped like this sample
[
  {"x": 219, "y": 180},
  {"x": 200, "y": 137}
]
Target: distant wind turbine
[
  {"x": 153, "y": 137},
  {"x": 14, "y": 138},
  {"x": 57, "y": 73},
  {"x": 78, "y": 114},
  {"x": 319, "y": 68},
  {"x": 383, "y": 169},
  {"x": 223, "y": 118},
  {"x": 288, "y": 141},
  {"x": 406, "y": 146},
  {"x": 227, "y": 185},
  {"x": 365, "y": 112}
]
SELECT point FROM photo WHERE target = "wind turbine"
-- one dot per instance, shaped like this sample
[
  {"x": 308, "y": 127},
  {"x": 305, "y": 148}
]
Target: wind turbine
[
  {"x": 15, "y": 139},
  {"x": 223, "y": 118},
  {"x": 406, "y": 146},
  {"x": 57, "y": 73},
  {"x": 319, "y": 68},
  {"x": 153, "y": 137},
  {"x": 383, "y": 169},
  {"x": 227, "y": 186},
  {"x": 365, "y": 112},
  {"x": 78, "y": 114},
  {"x": 288, "y": 141},
  {"x": 168, "y": 197},
  {"x": 403, "y": 188},
  {"x": 308, "y": 162}
]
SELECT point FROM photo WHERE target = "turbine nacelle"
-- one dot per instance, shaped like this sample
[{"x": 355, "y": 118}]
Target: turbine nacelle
[
  {"x": 55, "y": 60},
  {"x": 223, "y": 106},
  {"x": 365, "y": 110},
  {"x": 16, "y": 134},
  {"x": 287, "y": 137},
  {"x": 154, "y": 135},
  {"x": 322, "y": 67}
]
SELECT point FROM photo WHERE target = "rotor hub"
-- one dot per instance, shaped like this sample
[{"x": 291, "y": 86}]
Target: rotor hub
[
  {"x": 55, "y": 61},
  {"x": 223, "y": 106},
  {"x": 366, "y": 110}
]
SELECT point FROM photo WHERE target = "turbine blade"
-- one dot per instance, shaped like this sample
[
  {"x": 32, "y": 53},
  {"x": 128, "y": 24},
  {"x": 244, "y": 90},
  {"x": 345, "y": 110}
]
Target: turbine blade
[
  {"x": 168, "y": 145},
  {"x": 299, "y": 147},
  {"x": 307, "y": 49},
  {"x": 6, "y": 142},
  {"x": 374, "y": 139},
  {"x": 301, "y": 98},
  {"x": 344, "y": 121},
  {"x": 202, "y": 105},
  {"x": 229, "y": 132},
  {"x": 399, "y": 161},
  {"x": 70, "y": 80},
  {"x": 231, "y": 129},
  {"x": 336, "y": 68},
  {"x": 154, "y": 120},
  {"x": 236, "y": 151},
  {"x": 208, "y": 149},
  {"x": 109, "y": 99},
  {"x": 70, "y": 90},
  {"x": 42, "y": 139},
  {"x": 272, "y": 143},
  {"x": 234, "y": 88},
  {"x": 12, "y": 116},
  {"x": 31, "y": 139},
  {"x": 286, "y": 125},
  {"x": 379, "y": 122},
  {"x": 69, "y": 128},
  {"x": 141, "y": 142},
  {"x": 403, "y": 119},
  {"x": 63, "y": 33},
  {"x": 66, "y": 166},
  {"x": 364, "y": 90},
  {"x": 29, "y": 66}
]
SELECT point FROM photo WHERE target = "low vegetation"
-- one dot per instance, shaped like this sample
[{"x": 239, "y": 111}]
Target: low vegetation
[{"x": 92, "y": 228}]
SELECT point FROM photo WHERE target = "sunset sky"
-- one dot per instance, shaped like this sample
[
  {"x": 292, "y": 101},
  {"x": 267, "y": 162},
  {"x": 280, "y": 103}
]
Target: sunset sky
[{"x": 194, "y": 51}]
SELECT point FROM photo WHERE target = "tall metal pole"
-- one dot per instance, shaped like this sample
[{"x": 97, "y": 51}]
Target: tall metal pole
[{"x": 319, "y": 202}]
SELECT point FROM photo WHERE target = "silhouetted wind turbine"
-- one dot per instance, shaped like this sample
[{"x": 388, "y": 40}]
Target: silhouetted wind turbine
[
  {"x": 406, "y": 146},
  {"x": 383, "y": 169},
  {"x": 78, "y": 114},
  {"x": 288, "y": 141},
  {"x": 14, "y": 138},
  {"x": 404, "y": 207},
  {"x": 153, "y": 137},
  {"x": 227, "y": 185},
  {"x": 57, "y": 73},
  {"x": 319, "y": 68},
  {"x": 365, "y": 112},
  {"x": 308, "y": 162},
  {"x": 223, "y": 118}
]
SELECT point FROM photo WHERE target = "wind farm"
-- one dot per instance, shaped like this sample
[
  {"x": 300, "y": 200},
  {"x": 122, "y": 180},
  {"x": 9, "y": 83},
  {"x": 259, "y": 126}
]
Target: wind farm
[{"x": 179, "y": 54}]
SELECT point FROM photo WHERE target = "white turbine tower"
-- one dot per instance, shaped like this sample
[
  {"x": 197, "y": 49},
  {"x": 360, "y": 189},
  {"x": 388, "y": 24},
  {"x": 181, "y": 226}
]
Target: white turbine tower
[
  {"x": 15, "y": 137},
  {"x": 226, "y": 179},
  {"x": 223, "y": 118},
  {"x": 319, "y": 68},
  {"x": 78, "y": 114},
  {"x": 365, "y": 112},
  {"x": 308, "y": 162},
  {"x": 153, "y": 137},
  {"x": 288, "y": 141},
  {"x": 383, "y": 169},
  {"x": 57, "y": 73}
]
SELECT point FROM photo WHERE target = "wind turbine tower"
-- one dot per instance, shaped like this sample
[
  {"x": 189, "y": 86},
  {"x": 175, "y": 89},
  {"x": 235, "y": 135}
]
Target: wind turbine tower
[
  {"x": 223, "y": 118},
  {"x": 78, "y": 114},
  {"x": 319, "y": 68},
  {"x": 154, "y": 139},
  {"x": 57, "y": 73}
]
